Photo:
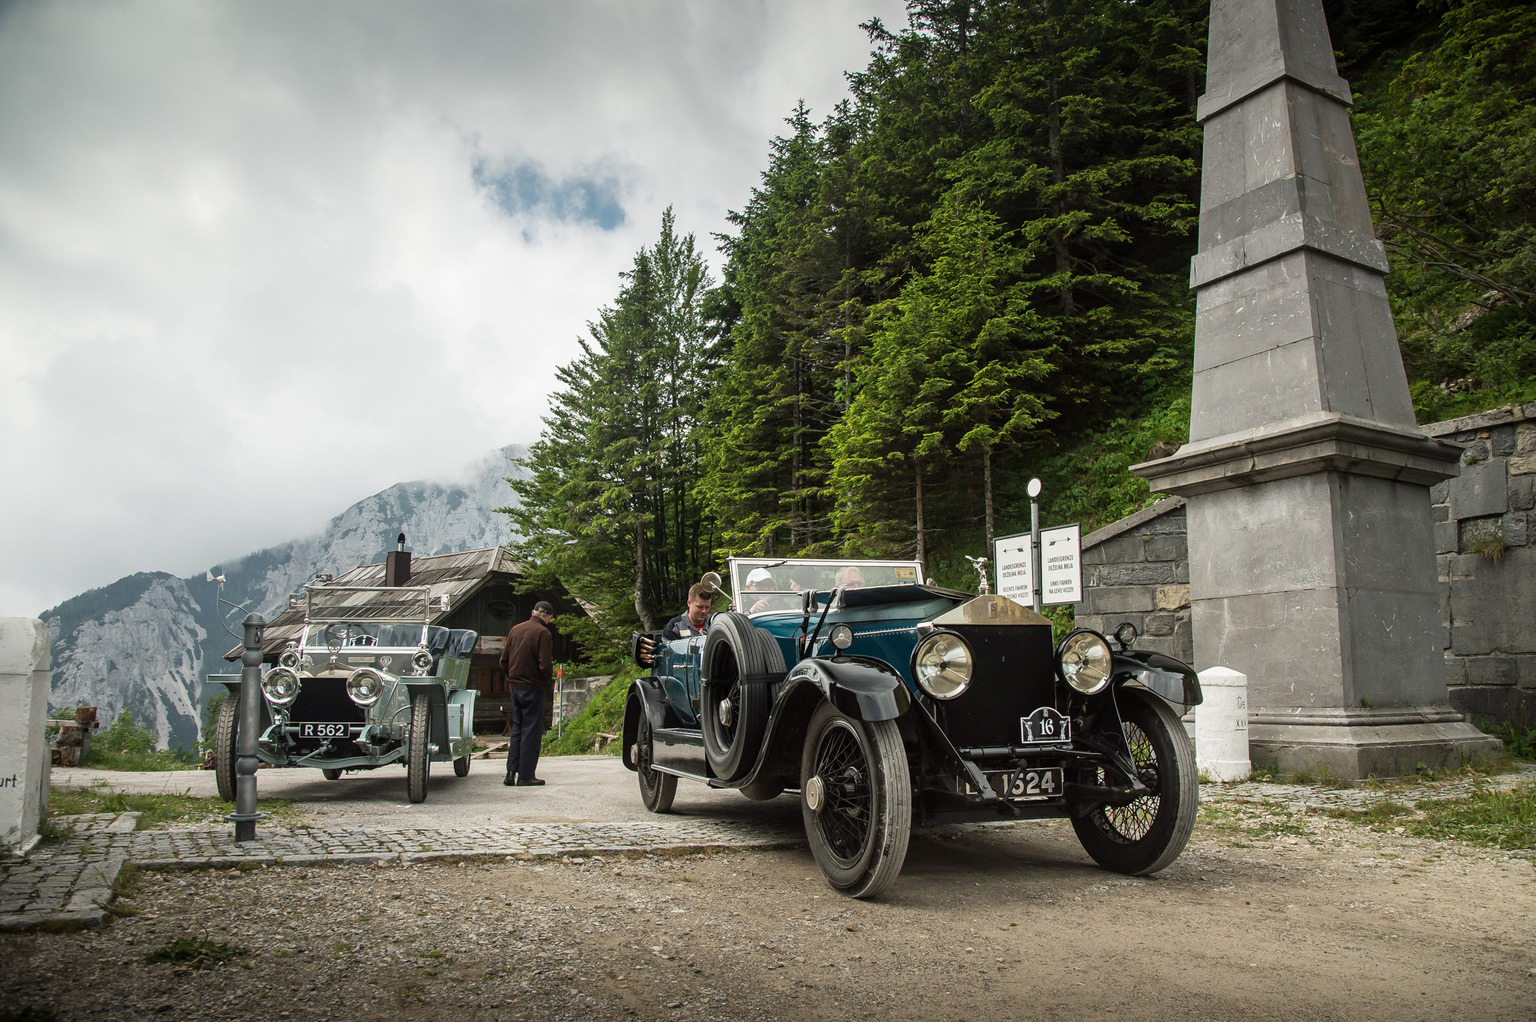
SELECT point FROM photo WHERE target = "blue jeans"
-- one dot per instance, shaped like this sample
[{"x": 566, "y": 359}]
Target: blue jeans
[{"x": 527, "y": 733}]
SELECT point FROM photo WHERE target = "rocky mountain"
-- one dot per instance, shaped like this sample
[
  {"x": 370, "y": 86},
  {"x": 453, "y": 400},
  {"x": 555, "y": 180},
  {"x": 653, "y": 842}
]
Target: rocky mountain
[{"x": 147, "y": 642}]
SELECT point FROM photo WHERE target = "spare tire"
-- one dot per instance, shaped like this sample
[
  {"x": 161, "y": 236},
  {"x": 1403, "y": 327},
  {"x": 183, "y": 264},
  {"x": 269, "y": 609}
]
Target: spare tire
[{"x": 738, "y": 665}]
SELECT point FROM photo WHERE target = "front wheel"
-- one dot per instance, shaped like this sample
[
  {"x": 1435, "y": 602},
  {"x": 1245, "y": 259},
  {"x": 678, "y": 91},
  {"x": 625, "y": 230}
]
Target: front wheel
[
  {"x": 656, "y": 788},
  {"x": 1149, "y": 833},
  {"x": 856, "y": 800},
  {"x": 461, "y": 767},
  {"x": 225, "y": 734},
  {"x": 418, "y": 756},
  {"x": 330, "y": 774}
]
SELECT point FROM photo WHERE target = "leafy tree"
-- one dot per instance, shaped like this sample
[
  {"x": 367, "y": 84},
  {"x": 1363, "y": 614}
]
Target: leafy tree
[
  {"x": 608, "y": 507},
  {"x": 1448, "y": 149}
]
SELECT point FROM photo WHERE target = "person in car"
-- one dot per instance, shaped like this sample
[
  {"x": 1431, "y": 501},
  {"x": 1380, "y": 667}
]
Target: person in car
[
  {"x": 850, "y": 577},
  {"x": 694, "y": 620},
  {"x": 764, "y": 593}
]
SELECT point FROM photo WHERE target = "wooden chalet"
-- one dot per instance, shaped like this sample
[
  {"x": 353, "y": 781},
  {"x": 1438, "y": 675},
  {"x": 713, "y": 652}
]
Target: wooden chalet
[{"x": 481, "y": 590}]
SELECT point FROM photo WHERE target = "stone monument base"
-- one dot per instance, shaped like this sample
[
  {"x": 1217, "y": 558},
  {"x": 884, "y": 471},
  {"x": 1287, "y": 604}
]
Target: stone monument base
[{"x": 1357, "y": 744}]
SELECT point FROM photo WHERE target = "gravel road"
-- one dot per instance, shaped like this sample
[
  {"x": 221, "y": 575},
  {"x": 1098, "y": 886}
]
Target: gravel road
[{"x": 1268, "y": 915}]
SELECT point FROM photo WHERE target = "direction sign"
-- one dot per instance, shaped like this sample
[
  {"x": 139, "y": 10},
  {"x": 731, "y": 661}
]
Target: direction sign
[{"x": 1062, "y": 581}]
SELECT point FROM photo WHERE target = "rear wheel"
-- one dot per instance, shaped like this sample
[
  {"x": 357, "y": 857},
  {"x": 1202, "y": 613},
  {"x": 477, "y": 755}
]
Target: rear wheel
[
  {"x": 856, "y": 800},
  {"x": 418, "y": 757},
  {"x": 656, "y": 788},
  {"x": 461, "y": 767},
  {"x": 330, "y": 774},
  {"x": 1149, "y": 833},
  {"x": 739, "y": 663},
  {"x": 225, "y": 734}
]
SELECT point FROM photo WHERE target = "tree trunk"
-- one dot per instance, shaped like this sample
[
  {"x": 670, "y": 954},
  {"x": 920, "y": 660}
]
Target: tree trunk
[
  {"x": 986, "y": 484},
  {"x": 922, "y": 545},
  {"x": 647, "y": 622}
]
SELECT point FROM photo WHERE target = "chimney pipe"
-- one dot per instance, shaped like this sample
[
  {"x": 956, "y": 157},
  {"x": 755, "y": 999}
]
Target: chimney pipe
[{"x": 397, "y": 564}]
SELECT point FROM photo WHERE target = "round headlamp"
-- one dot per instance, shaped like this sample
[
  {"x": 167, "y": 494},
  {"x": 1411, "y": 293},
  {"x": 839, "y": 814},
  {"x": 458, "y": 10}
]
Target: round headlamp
[
  {"x": 280, "y": 686},
  {"x": 842, "y": 637},
  {"x": 942, "y": 665},
  {"x": 1085, "y": 661},
  {"x": 421, "y": 660},
  {"x": 364, "y": 686},
  {"x": 289, "y": 658}
]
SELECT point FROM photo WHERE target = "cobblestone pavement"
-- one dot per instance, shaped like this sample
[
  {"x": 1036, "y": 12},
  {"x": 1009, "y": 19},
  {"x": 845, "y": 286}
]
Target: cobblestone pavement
[{"x": 69, "y": 883}]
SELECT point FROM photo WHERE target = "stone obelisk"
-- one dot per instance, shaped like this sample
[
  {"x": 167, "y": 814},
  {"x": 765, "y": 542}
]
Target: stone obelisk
[{"x": 1312, "y": 565}]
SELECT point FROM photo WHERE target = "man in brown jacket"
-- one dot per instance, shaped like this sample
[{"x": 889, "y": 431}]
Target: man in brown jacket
[{"x": 528, "y": 658}]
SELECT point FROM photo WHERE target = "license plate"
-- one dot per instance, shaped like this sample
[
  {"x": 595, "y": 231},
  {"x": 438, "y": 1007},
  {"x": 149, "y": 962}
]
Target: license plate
[
  {"x": 1046, "y": 725},
  {"x": 1031, "y": 782},
  {"x": 312, "y": 729}
]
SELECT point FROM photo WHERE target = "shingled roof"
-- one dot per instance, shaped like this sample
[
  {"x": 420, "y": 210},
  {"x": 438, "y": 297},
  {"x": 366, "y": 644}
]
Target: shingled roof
[{"x": 457, "y": 576}]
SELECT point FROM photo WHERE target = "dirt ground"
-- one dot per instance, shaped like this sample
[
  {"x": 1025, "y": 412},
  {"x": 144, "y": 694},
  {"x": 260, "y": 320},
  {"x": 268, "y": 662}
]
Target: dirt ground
[{"x": 1322, "y": 921}]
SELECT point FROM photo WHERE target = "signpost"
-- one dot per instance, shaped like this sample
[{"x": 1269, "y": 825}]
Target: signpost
[{"x": 1061, "y": 567}]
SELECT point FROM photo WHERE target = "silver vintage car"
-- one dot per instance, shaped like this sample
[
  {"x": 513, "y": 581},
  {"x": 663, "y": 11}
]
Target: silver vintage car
[{"x": 369, "y": 682}]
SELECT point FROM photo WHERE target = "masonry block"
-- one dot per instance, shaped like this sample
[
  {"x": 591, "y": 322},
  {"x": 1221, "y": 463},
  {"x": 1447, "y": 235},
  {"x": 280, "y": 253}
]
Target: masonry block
[
  {"x": 1522, "y": 493},
  {"x": 1447, "y": 536},
  {"x": 1159, "y": 624},
  {"x": 1476, "y": 452},
  {"x": 1479, "y": 532},
  {"x": 1124, "y": 601},
  {"x": 1524, "y": 464},
  {"x": 1516, "y": 528},
  {"x": 1480, "y": 490},
  {"x": 1502, "y": 442},
  {"x": 1492, "y": 670},
  {"x": 1525, "y": 438},
  {"x": 1440, "y": 492},
  {"x": 1150, "y": 574},
  {"x": 1172, "y": 597},
  {"x": 1167, "y": 548}
]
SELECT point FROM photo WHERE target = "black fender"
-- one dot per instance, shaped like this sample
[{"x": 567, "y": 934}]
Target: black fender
[
  {"x": 862, "y": 687},
  {"x": 645, "y": 696},
  {"x": 1169, "y": 678},
  {"x": 438, "y": 698}
]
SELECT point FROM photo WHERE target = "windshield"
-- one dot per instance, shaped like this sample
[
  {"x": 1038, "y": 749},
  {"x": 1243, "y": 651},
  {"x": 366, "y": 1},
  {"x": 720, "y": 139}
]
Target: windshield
[
  {"x": 355, "y": 634},
  {"x": 762, "y": 584}
]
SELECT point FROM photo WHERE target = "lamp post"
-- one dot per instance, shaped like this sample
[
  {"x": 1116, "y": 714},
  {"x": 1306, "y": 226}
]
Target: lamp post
[
  {"x": 245, "y": 815},
  {"x": 1035, "y": 574}
]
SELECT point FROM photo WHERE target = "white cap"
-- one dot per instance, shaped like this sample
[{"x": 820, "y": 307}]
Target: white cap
[{"x": 759, "y": 575}]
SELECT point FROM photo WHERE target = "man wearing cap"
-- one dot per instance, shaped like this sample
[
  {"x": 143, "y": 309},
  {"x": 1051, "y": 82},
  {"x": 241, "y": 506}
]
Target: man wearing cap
[
  {"x": 760, "y": 581},
  {"x": 694, "y": 620},
  {"x": 528, "y": 658}
]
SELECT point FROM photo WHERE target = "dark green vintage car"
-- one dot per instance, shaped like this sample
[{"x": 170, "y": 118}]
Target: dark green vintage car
[{"x": 887, "y": 702}]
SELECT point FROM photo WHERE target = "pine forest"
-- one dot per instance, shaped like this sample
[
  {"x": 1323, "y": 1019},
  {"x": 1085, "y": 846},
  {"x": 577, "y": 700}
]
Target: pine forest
[{"x": 975, "y": 271}]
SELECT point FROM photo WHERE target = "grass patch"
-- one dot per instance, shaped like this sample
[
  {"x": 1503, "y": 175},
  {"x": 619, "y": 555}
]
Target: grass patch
[
  {"x": 1498, "y": 819},
  {"x": 1519, "y": 739},
  {"x": 1385, "y": 811},
  {"x": 1253, "y": 820},
  {"x": 603, "y": 715},
  {"x": 158, "y": 810},
  {"x": 198, "y": 954}
]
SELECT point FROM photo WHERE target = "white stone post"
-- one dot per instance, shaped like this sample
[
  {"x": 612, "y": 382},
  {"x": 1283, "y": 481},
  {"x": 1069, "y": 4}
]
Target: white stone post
[
  {"x": 1221, "y": 725},
  {"x": 23, "y": 750}
]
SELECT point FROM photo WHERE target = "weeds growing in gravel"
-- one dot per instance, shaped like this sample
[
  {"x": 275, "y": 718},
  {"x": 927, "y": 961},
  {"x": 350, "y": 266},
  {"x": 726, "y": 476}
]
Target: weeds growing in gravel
[
  {"x": 1500, "y": 819},
  {"x": 199, "y": 954},
  {"x": 156, "y": 810}
]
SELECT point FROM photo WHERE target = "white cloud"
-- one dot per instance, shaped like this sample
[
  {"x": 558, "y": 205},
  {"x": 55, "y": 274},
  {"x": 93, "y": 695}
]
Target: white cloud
[{"x": 247, "y": 275}]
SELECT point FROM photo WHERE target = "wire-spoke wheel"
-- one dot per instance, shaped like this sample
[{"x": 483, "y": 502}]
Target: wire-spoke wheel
[
  {"x": 856, "y": 800},
  {"x": 418, "y": 754},
  {"x": 224, "y": 736},
  {"x": 1147, "y": 834},
  {"x": 656, "y": 788}
]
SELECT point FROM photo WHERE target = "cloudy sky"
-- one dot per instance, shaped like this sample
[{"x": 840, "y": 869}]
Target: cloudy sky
[{"x": 234, "y": 234}]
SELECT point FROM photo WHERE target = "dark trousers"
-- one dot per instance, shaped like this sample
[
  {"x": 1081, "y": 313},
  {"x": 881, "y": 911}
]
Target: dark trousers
[{"x": 527, "y": 733}]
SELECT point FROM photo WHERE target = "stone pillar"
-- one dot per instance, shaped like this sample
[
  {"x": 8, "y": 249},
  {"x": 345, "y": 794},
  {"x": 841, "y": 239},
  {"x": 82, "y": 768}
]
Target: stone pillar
[
  {"x": 23, "y": 752},
  {"x": 1310, "y": 540}
]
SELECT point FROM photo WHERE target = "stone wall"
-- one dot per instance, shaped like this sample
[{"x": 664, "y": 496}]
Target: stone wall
[
  {"x": 1486, "y": 552},
  {"x": 1137, "y": 570}
]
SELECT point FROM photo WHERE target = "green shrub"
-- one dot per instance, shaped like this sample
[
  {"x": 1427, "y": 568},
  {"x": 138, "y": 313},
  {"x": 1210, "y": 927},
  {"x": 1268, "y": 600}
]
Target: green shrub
[
  {"x": 603, "y": 715},
  {"x": 127, "y": 746}
]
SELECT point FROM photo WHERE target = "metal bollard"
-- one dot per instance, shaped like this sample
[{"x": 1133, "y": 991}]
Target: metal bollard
[{"x": 245, "y": 815}]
